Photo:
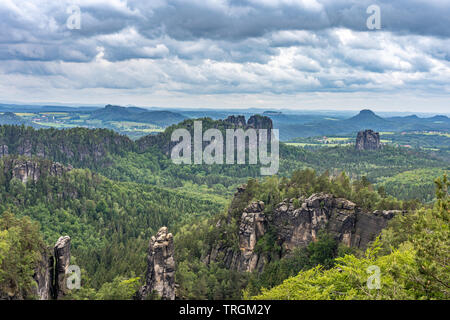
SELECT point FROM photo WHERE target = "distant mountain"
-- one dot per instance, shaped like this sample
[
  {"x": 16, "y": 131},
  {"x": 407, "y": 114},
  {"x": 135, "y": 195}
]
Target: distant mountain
[
  {"x": 44, "y": 108},
  {"x": 12, "y": 119},
  {"x": 365, "y": 119},
  {"x": 272, "y": 113},
  {"x": 117, "y": 113}
]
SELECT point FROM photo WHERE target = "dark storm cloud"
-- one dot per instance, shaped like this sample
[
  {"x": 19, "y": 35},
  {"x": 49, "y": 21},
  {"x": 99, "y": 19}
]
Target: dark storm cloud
[
  {"x": 228, "y": 46},
  {"x": 38, "y": 28}
]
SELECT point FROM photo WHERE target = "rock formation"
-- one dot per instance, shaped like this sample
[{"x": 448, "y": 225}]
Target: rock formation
[
  {"x": 43, "y": 275},
  {"x": 160, "y": 277},
  {"x": 238, "y": 121},
  {"x": 163, "y": 140},
  {"x": 49, "y": 273},
  {"x": 368, "y": 140},
  {"x": 297, "y": 227},
  {"x": 29, "y": 170},
  {"x": 4, "y": 150},
  {"x": 260, "y": 122},
  {"x": 62, "y": 262},
  {"x": 251, "y": 229}
]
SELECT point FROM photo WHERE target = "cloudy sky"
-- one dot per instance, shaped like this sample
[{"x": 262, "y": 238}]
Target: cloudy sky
[{"x": 299, "y": 54}]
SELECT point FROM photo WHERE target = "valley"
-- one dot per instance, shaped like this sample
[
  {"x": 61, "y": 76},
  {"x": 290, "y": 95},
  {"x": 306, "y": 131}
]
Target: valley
[{"x": 111, "y": 191}]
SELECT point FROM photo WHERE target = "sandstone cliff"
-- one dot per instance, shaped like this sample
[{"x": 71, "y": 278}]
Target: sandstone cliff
[
  {"x": 163, "y": 141},
  {"x": 62, "y": 262},
  {"x": 4, "y": 151},
  {"x": 160, "y": 277},
  {"x": 28, "y": 170},
  {"x": 79, "y": 146},
  {"x": 49, "y": 273},
  {"x": 368, "y": 140},
  {"x": 25, "y": 169},
  {"x": 297, "y": 227}
]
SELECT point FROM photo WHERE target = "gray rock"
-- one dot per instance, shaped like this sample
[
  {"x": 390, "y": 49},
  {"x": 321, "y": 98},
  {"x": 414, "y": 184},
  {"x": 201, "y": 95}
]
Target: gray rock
[
  {"x": 62, "y": 262},
  {"x": 160, "y": 277},
  {"x": 4, "y": 151},
  {"x": 43, "y": 276},
  {"x": 295, "y": 228},
  {"x": 29, "y": 170},
  {"x": 368, "y": 140}
]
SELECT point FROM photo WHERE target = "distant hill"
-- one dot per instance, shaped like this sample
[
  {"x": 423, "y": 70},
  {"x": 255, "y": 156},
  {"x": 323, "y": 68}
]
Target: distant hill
[
  {"x": 117, "y": 113},
  {"x": 12, "y": 119},
  {"x": 366, "y": 119}
]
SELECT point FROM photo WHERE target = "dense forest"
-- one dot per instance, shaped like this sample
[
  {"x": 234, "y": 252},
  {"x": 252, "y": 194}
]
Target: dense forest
[{"x": 114, "y": 194}]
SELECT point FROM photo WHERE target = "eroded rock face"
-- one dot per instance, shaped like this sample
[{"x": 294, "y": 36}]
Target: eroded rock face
[
  {"x": 160, "y": 277},
  {"x": 49, "y": 273},
  {"x": 368, "y": 140},
  {"x": 43, "y": 276},
  {"x": 260, "y": 122},
  {"x": 297, "y": 227},
  {"x": 238, "y": 121},
  {"x": 28, "y": 170},
  {"x": 4, "y": 150},
  {"x": 251, "y": 229},
  {"x": 62, "y": 262}
]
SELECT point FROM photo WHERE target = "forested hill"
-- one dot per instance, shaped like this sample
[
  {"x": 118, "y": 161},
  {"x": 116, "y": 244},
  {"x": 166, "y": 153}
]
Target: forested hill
[
  {"x": 290, "y": 129},
  {"x": 147, "y": 159},
  {"x": 163, "y": 140},
  {"x": 10, "y": 118},
  {"x": 117, "y": 113},
  {"x": 78, "y": 146},
  {"x": 111, "y": 194},
  {"x": 109, "y": 222}
]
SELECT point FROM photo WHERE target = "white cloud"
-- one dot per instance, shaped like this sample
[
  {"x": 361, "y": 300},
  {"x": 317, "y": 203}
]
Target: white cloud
[{"x": 195, "y": 49}]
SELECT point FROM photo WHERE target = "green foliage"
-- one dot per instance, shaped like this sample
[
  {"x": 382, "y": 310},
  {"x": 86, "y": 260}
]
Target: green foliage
[
  {"x": 322, "y": 252},
  {"x": 110, "y": 222},
  {"x": 413, "y": 259},
  {"x": 20, "y": 250},
  {"x": 120, "y": 288},
  {"x": 430, "y": 239},
  {"x": 348, "y": 279}
]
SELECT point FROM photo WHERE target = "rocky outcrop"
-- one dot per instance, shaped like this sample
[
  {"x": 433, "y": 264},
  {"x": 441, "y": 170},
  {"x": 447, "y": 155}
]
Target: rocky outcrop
[
  {"x": 238, "y": 121},
  {"x": 251, "y": 229},
  {"x": 297, "y": 227},
  {"x": 254, "y": 122},
  {"x": 62, "y": 262},
  {"x": 44, "y": 276},
  {"x": 160, "y": 277},
  {"x": 4, "y": 150},
  {"x": 260, "y": 122},
  {"x": 79, "y": 146},
  {"x": 49, "y": 274},
  {"x": 368, "y": 140},
  {"x": 29, "y": 170}
]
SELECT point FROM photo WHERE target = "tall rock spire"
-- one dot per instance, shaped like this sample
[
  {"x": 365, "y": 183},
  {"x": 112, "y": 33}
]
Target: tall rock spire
[{"x": 160, "y": 278}]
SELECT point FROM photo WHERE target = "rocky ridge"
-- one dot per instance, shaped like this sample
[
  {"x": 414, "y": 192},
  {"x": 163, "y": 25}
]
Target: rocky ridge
[
  {"x": 297, "y": 227},
  {"x": 28, "y": 170}
]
